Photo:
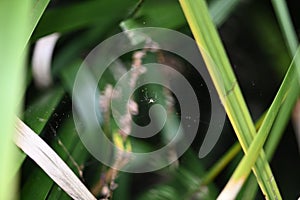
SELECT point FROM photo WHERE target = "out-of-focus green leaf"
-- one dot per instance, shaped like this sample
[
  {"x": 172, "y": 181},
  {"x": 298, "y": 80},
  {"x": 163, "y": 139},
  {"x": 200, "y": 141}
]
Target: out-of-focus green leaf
[
  {"x": 221, "y": 9},
  {"x": 286, "y": 25},
  {"x": 82, "y": 15},
  {"x": 124, "y": 186},
  {"x": 14, "y": 22},
  {"x": 36, "y": 11},
  {"x": 168, "y": 14},
  {"x": 38, "y": 113},
  {"x": 267, "y": 34},
  {"x": 183, "y": 183},
  {"x": 171, "y": 15}
]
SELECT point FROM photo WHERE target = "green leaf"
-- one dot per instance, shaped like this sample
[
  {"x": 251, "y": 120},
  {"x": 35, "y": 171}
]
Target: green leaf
[
  {"x": 221, "y": 9},
  {"x": 37, "y": 115},
  {"x": 226, "y": 84},
  {"x": 14, "y": 22},
  {"x": 36, "y": 11},
  {"x": 244, "y": 168},
  {"x": 82, "y": 15}
]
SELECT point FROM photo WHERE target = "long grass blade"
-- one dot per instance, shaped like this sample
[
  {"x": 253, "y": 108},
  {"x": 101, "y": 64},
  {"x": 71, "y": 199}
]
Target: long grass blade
[
  {"x": 244, "y": 168},
  {"x": 279, "y": 125},
  {"x": 50, "y": 162},
  {"x": 286, "y": 25},
  {"x": 287, "y": 29},
  {"x": 224, "y": 79}
]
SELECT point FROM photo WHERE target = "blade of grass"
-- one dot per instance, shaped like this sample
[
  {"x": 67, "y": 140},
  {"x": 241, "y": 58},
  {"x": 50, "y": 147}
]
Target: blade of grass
[
  {"x": 38, "y": 178},
  {"x": 216, "y": 169},
  {"x": 220, "y": 165},
  {"x": 244, "y": 167},
  {"x": 232, "y": 153},
  {"x": 282, "y": 120},
  {"x": 13, "y": 23},
  {"x": 228, "y": 89},
  {"x": 290, "y": 37},
  {"x": 275, "y": 136},
  {"x": 287, "y": 29},
  {"x": 286, "y": 25},
  {"x": 50, "y": 162},
  {"x": 250, "y": 188}
]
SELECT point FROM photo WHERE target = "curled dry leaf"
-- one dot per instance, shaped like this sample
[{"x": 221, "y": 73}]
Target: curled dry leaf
[{"x": 41, "y": 60}]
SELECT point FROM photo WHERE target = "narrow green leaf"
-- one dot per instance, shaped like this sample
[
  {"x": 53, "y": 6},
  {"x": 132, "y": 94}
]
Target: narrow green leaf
[
  {"x": 286, "y": 25},
  {"x": 270, "y": 36},
  {"x": 244, "y": 168},
  {"x": 287, "y": 29},
  {"x": 38, "y": 112},
  {"x": 36, "y": 11},
  {"x": 220, "y": 165},
  {"x": 275, "y": 136},
  {"x": 225, "y": 82}
]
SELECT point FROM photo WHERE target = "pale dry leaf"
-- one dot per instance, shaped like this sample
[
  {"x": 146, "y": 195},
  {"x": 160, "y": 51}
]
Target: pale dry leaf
[
  {"x": 41, "y": 60},
  {"x": 39, "y": 151}
]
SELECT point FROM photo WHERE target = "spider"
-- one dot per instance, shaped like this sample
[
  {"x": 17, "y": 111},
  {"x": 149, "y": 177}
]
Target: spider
[{"x": 148, "y": 99}]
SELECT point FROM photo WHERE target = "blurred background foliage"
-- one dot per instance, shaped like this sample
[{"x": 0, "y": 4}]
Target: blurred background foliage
[{"x": 254, "y": 43}]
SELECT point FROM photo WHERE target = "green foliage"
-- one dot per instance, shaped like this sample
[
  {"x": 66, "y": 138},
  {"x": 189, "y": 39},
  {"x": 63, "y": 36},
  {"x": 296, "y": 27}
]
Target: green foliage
[
  {"x": 14, "y": 25},
  {"x": 84, "y": 24}
]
